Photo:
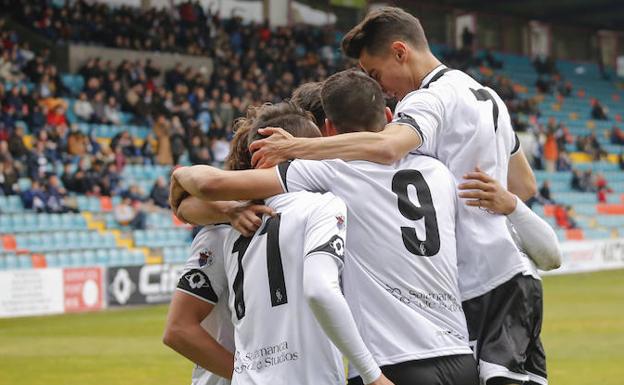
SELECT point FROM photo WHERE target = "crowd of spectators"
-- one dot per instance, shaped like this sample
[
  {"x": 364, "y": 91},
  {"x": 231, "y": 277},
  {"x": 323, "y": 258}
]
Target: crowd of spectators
[
  {"x": 190, "y": 110},
  {"x": 190, "y": 31}
]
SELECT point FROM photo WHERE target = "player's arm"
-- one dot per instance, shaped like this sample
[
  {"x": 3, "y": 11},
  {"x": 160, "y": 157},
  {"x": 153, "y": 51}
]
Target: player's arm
[
  {"x": 322, "y": 291},
  {"x": 213, "y": 184},
  {"x": 185, "y": 335},
  {"x": 243, "y": 216},
  {"x": 520, "y": 177},
  {"x": 386, "y": 147},
  {"x": 321, "y": 287},
  {"x": 537, "y": 237},
  {"x": 418, "y": 119}
]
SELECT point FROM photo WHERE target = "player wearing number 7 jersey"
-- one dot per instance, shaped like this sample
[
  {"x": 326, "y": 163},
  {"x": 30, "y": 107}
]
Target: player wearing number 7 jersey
[
  {"x": 283, "y": 283},
  {"x": 400, "y": 276}
]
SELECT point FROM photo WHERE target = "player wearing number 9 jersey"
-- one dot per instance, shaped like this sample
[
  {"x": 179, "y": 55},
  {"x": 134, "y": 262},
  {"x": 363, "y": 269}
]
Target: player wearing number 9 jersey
[{"x": 400, "y": 274}]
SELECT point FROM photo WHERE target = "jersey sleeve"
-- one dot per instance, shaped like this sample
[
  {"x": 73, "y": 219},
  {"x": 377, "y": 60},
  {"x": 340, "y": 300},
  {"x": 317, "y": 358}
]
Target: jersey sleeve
[
  {"x": 204, "y": 276},
  {"x": 516, "y": 146},
  {"x": 326, "y": 229},
  {"x": 423, "y": 111},
  {"x": 305, "y": 175}
]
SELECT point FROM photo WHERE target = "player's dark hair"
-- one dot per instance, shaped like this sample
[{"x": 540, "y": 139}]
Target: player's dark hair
[
  {"x": 239, "y": 157},
  {"x": 380, "y": 28},
  {"x": 308, "y": 97},
  {"x": 286, "y": 115},
  {"x": 353, "y": 101}
]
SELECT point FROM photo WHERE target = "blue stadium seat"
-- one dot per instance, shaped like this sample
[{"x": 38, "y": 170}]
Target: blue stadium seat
[
  {"x": 76, "y": 259},
  {"x": 6, "y": 223},
  {"x": 90, "y": 258},
  {"x": 102, "y": 257},
  {"x": 116, "y": 257},
  {"x": 24, "y": 262},
  {"x": 11, "y": 262}
]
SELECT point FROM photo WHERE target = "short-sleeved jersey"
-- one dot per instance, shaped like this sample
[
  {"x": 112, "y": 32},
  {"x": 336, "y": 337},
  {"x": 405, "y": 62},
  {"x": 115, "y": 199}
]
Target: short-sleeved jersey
[
  {"x": 278, "y": 339},
  {"x": 400, "y": 274},
  {"x": 204, "y": 278},
  {"x": 466, "y": 125}
]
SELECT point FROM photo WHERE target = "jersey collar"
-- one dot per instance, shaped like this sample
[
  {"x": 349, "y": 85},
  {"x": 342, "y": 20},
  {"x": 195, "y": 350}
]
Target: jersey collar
[{"x": 425, "y": 82}]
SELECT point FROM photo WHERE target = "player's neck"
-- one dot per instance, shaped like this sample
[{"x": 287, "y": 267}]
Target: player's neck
[{"x": 422, "y": 66}]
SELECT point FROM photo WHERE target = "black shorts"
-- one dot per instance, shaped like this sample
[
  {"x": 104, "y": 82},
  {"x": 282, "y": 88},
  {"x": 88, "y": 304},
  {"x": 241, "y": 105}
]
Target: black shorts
[
  {"x": 446, "y": 370},
  {"x": 504, "y": 329}
]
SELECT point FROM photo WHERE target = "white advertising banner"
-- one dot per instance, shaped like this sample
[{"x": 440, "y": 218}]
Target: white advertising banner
[
  {"x": 31, "y": 292},
  {"x": 586, "y": 256}
]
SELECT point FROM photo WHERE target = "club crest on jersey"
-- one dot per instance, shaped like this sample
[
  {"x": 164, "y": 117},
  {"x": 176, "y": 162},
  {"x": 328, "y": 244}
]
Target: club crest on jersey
[
  {"x": 340, "y": 220},
  {"x": 338, "y": 245},
  {"x": 206, "y": 257},
  {"x": 335, "y": 246}
]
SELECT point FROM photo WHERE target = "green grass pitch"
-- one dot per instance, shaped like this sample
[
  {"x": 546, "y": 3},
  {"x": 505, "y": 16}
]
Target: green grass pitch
[{"x": 583, "y": 335}]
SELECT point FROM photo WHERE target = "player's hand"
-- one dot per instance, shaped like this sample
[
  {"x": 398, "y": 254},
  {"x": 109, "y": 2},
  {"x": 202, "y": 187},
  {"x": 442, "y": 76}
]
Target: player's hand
[
  {"x": 382, "y": 380},
  {"x": 246, "y": 218},
  {"x": 176, "y": 194},
  {"x": 485, "y": 192},
  {"x": 272, "y": 150}
]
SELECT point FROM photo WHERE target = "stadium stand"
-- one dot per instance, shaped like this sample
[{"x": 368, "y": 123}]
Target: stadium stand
[{"x": 85, "y": 156}]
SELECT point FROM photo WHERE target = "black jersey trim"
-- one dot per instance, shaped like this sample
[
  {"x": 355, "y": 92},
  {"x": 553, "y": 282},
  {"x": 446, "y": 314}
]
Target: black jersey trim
[
  {"x": 197, "y": 283},
  {"x": 195, "y": 296},
  {"x": 437, "y": 76},
  {"x": 516, "y": 146},
  {"x": 283, "y": 170},
  {"x": 403, "y": 118}
]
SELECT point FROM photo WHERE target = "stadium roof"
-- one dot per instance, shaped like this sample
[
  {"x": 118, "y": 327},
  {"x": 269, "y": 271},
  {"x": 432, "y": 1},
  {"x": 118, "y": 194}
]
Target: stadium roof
[{"x": 598, "y": 14}]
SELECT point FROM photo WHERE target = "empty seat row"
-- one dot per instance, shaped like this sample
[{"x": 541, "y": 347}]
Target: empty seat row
[
  {"x": 12, "y": 261},
  {"x": 31, "y": 222},
  {"x": 10, "y": 204},
  {"x": 145, "y": 171},
  {"x": 64, "y": 240},
  {"x": 162, "y": 237},
  {"x": 103, "y": 257},
  {"x": 109, "y": 131},
  {"x": 176, "y": 254}
]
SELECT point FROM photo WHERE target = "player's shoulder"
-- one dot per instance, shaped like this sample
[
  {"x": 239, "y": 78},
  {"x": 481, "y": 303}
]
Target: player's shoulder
[
  {"x": 427, "y": 165},
  {"x": 211, "y": 233},
  {"x": 207, "y": 247},
  {"x": 326, "y": 164},
  {"x": 302, "y": 200}
]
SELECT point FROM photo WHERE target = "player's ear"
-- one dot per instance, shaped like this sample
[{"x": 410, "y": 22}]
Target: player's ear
[
  {"x": 330, "y": 129},
  {"x": 399, "y": 51},
  {"x": 388, "y": 112}
]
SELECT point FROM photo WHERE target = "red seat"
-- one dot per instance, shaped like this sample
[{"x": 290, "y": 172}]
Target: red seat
[
  {"x": 575, "y": 234},
  {"x": 106, "y": 204},
  {"x": 39, "y": 261},
  {"x": 8, "y": 242},
  {"x": 549, "y": 210}
]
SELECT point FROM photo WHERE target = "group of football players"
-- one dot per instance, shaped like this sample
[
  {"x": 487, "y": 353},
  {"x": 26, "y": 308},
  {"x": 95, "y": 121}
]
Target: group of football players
[{"x": 397, "y": 240}]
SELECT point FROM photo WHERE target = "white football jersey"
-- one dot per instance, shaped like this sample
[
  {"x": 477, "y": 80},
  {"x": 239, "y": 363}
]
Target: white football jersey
[
  {"x": 400, "y": 274},
  {"x": 278, "y": 340},
  {"x": 204, "y": 278},
  {"x": 466, "y": 125}
]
